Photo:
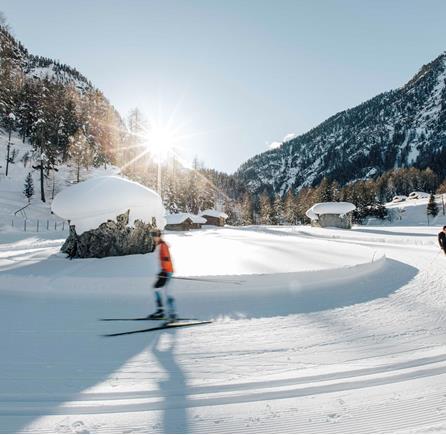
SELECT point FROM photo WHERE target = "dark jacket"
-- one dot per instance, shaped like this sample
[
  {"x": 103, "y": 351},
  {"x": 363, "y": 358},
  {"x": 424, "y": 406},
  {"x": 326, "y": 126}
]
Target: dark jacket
[{"x": 442, "y": 240}]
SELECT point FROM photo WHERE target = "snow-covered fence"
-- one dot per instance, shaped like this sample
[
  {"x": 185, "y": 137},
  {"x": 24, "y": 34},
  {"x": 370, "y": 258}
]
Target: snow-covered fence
[{"x": 39, "y": 225}]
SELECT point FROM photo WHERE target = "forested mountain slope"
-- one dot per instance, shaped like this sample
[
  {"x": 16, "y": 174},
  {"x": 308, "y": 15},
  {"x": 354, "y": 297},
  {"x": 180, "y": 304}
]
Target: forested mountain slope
[{"x": 400, "y": 128}]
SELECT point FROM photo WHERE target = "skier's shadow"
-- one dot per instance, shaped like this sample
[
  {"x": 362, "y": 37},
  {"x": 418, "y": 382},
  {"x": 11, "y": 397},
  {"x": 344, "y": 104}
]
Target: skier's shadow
[{"x": 174, "y": 388}]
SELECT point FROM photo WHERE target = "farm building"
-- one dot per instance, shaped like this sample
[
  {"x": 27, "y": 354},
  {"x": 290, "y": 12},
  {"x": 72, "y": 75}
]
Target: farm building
[
  {"x": 214, "y": 217},
  {"x": 399, "y": 198},
  {"x": 331, "y": 214},
  {"x": 418, "y": 195},
  {"x": 184, "y": 222}
]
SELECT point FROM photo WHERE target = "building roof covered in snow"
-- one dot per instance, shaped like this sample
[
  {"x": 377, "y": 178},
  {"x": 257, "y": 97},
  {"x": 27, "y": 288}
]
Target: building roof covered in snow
[
  {"x": 91, "y": 203},
  {"x": 399, "y": 198},
  {"x": 179, "y": 218},
  {"x": 214, "y": 213},
  {"x": 320, "y": 208},
  {"x": 418, "y": 195}
]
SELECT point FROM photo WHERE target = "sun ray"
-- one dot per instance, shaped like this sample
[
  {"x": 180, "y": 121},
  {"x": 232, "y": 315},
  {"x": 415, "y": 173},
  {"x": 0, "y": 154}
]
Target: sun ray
[{"x": 146, "y": 151}]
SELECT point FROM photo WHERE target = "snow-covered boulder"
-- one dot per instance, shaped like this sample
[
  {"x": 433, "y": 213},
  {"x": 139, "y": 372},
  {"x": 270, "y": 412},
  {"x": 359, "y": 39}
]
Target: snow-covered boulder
[
  {"x": 111, "y": 238},
  {"x": 331, "y": 214},
  {"x": 109, "y": 216},
  {"x": 90, "y": 203}
]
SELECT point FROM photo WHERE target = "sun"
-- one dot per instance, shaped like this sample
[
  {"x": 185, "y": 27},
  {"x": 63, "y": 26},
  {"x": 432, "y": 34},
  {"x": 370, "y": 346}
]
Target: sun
[{"x": 160, "y": 140}]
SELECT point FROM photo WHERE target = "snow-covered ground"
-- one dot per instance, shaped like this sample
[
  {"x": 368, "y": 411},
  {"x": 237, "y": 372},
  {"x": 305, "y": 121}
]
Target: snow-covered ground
[
  {"x": 315, "y": 330},
  {"x": 412, "y": 212},
  {"x": 12, "y": 186}
]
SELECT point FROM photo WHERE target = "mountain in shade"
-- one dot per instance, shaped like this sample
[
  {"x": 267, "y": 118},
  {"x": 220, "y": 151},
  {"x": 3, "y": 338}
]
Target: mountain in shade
[{"x": 400, "y": 128}]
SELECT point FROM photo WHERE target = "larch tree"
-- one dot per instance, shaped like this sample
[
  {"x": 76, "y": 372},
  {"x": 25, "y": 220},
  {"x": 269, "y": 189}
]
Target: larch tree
[{"x": 266, "y": 209}]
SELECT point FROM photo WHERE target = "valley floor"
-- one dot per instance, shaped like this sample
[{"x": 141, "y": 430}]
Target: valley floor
[{"x": 315, "y": 330}]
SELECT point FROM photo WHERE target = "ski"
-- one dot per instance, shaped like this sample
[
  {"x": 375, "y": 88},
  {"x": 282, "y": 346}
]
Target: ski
[
  {"x": 168, "y": 325},
  {"x": 141, "y": 318}
]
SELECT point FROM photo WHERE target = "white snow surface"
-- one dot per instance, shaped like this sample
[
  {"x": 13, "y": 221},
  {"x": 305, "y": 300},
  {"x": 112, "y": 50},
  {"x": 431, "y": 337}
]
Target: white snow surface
[
  {"x": 178, "y": 218},
  {"x": 96, "y": 200},
  {"x": 329, "y": 208},
  {"x": 214, "y": 213},
  {"x": 315, "y": 331}
]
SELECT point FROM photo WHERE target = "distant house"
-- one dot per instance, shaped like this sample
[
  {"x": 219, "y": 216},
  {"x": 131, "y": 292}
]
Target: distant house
[
  {"x": 399, "y": 198},
  {"x": 184, "y": 222},
  {"x": 418, "y": 195},
  {"x": 214, "y": 217},
  {"x": 331, "y": 214}
]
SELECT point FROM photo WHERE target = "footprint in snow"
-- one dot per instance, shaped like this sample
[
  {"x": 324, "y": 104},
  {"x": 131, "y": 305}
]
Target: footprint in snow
[
  {"x": 63, "y": 428},
  {"x": 79, "y": 427},
  {"x": 334, "y": 417}
]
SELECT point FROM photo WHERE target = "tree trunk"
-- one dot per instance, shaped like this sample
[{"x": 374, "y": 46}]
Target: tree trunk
[
  {"x": 8, "y": 148},
  {"x": 53, "y": 187},
  {"x": 42, "y": 189}
]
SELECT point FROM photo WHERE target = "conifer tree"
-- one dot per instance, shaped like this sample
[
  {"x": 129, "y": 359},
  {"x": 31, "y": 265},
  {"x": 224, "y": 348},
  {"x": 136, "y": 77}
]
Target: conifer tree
[
  {"x": 432, "y": 207},
  {"x": 324, "y": 191},
  {"x": 29, "y": 187},
  {"x": 78, "y": 151}
]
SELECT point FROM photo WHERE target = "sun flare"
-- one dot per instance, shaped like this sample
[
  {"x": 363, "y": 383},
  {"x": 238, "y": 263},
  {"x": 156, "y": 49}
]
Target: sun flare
[{"x": 160, "y": 141}]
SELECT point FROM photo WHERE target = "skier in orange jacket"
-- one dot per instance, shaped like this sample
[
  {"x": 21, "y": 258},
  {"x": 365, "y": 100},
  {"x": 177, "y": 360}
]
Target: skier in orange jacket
[{"x": 164, "y": 277}]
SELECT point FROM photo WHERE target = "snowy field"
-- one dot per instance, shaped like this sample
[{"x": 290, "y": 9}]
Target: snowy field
[{"x": 315, "y": 330}]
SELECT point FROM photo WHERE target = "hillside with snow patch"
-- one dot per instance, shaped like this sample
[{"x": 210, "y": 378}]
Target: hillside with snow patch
[
  {"x": 12, "y": 198},
  {"x": 412, "y": 212}
]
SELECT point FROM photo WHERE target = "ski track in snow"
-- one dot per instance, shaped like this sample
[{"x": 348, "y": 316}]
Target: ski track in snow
[{"x": 303, "y": 345}]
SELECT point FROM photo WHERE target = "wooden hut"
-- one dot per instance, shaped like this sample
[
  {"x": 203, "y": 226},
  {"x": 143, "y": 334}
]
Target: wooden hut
[
  {"x": 331, "y": 214},
  {"x": 183, "y": 222},
  {"x": 214, "y": 217}
]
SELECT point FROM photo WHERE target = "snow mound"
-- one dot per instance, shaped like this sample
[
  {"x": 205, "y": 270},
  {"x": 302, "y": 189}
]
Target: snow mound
[
  {"x": 92, "y": 202},
  {"x": 178, "y": 218},
  {"x": 329, "y": 208}
]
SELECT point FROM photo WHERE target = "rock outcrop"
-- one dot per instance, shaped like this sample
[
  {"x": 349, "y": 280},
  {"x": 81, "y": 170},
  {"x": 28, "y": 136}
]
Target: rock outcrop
[{"x": 110, "y": 239}]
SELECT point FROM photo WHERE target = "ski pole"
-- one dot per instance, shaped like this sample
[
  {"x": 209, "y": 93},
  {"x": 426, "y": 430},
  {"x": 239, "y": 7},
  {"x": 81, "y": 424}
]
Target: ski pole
[{"x": 207, "y": 280}]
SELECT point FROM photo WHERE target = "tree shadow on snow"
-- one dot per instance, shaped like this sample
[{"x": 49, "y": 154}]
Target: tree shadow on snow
[{"x": 392, "y": 233}]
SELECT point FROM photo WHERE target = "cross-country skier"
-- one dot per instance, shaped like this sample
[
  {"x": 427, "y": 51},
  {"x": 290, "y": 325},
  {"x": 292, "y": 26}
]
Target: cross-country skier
[
  {"x": 442, "y": 239},
  {"x": 164, "y": 277}
]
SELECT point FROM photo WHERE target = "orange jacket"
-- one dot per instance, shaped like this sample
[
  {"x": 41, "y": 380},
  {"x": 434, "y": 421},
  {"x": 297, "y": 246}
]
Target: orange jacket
[{"x": 166, "y": 262}]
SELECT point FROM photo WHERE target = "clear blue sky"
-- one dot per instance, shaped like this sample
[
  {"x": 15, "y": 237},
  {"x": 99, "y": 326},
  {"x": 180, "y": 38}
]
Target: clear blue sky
[{"x": 238, "y": 74}]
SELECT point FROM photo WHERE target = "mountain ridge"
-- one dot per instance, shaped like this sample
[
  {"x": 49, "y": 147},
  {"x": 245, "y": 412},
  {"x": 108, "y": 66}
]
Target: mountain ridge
[{"x": 398, "y": 128}]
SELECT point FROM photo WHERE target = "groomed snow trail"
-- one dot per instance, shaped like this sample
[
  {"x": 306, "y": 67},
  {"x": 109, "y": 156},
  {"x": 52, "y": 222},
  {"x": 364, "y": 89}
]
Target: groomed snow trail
[{"x": 307, "y": 346}]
